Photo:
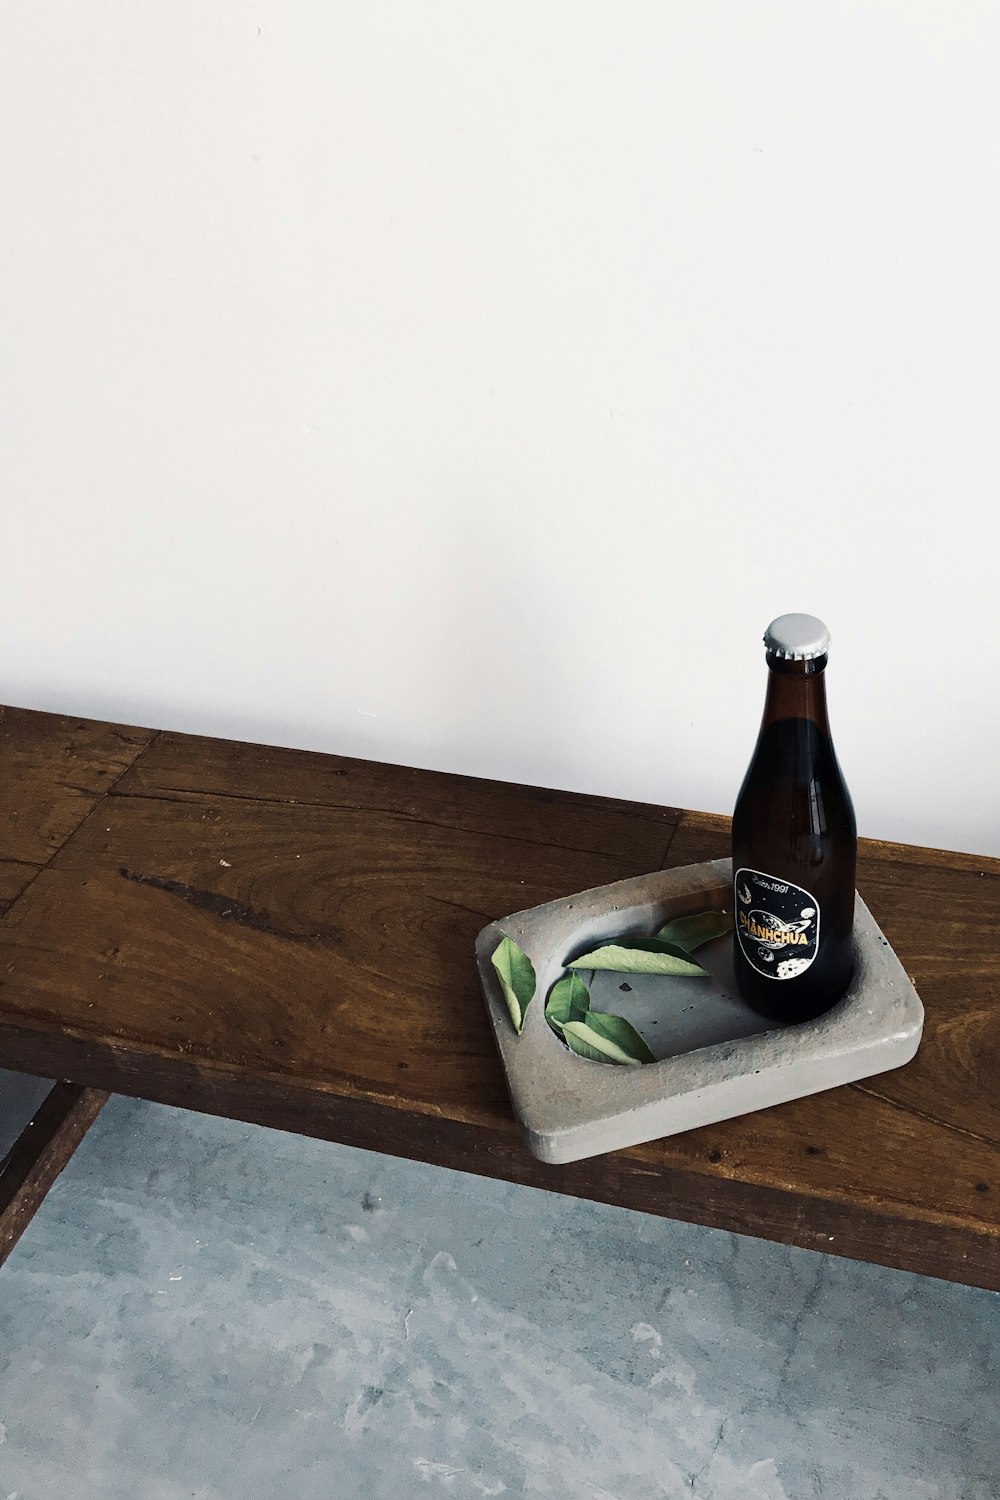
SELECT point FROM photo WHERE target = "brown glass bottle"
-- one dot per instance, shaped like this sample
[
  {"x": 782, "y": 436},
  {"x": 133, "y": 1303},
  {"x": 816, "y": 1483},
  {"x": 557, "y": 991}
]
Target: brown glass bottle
[{"x": 794, "y": 841}]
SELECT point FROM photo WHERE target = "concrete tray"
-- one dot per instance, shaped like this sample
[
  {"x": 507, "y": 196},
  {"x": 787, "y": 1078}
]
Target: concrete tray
[{"x": 716, "y": 1058}]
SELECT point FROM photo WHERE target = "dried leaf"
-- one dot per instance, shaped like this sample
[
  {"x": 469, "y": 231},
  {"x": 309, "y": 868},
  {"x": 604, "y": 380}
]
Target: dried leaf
[
  {"x": 569, "y": 1000},
  {"x": 607, "y": 1039},
  {"x": 517, "y": 979},
  {"x": 690, "y": 932},
  {"x": 639, "y": 956}
]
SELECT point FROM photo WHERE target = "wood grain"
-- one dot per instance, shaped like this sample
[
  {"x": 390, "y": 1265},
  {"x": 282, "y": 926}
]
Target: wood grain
[
  {"x": 264, "y": 773},
  {"x": 287, "y": 938},
  {"x": 331, "y": 947},
  {"x": 39, "y": 1154},
  {"x": 53, "y": 772}
]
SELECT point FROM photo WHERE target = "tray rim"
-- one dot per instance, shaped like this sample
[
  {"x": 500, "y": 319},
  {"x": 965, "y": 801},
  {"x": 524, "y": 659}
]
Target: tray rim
[{"x": 568, "y": 1108}]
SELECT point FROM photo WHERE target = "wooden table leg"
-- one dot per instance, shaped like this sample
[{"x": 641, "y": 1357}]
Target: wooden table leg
[{"x": 39, "y": 1154}]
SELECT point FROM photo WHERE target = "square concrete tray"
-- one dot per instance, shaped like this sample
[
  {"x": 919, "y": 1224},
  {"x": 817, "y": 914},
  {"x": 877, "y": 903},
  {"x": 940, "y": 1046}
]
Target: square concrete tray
[{"x": 716, "y": 1058}]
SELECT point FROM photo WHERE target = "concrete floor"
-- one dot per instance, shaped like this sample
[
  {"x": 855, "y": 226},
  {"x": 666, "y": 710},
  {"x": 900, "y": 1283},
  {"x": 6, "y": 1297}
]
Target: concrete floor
[{"x": 204, "y": 1311}]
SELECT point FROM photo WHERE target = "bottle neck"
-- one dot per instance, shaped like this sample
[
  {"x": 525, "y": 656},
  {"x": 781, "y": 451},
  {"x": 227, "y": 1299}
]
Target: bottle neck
[{"x": 796, "y": 690}]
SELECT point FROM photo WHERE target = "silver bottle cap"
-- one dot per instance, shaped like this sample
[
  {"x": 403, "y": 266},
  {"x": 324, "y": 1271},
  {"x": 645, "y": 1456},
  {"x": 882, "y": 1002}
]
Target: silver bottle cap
[{"x": 797, "y": 637}]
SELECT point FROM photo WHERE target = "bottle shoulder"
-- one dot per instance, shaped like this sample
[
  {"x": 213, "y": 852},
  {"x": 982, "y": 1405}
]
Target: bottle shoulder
[
  {"x": 794, "y": 783},
  {"x": 793, "y": 751}
]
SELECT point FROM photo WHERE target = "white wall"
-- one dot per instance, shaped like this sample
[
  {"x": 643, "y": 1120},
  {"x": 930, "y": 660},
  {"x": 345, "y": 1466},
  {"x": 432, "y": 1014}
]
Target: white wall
[{"x": 468, "y": 384}]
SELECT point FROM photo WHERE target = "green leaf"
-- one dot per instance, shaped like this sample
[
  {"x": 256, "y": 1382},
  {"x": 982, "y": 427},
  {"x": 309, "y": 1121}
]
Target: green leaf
[
  {"x": 517, "y": 978},
  {"x": 639, "y": 956},
  {"x": 616, "y": 1029},
  {"x": 581, "y": 1040},
  {"x": 607, "y": 1039},
  {"x": 569, "y": 1000},
  {"x": 691, "y": 932}
]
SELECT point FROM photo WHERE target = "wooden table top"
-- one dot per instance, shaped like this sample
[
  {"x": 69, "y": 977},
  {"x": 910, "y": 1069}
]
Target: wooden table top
[{"x": 287, "y": 938}]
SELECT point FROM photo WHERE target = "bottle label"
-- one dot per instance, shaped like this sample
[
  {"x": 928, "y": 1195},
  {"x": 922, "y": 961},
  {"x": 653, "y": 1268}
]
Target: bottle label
[{"x": 777, "y": 924}]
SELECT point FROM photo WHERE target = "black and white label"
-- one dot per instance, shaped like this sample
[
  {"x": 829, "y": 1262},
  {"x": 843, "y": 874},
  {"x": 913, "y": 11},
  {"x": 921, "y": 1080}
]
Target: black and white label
[{"x": 777, "y": 924}]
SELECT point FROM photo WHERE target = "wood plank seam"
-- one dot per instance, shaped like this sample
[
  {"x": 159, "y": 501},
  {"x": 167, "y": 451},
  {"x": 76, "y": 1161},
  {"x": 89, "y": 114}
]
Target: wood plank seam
[
  {"x": 922, "y": 1114},
  {"x": 673, "y": 834},
  {"x": 107, "y": 792},
  {"x": 48, "y": 1141},
  {"x": 181, "y": 794}
]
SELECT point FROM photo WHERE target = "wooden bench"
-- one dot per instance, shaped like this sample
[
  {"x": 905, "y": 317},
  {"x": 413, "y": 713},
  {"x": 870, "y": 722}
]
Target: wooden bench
[{"x": 286, "y": 938}]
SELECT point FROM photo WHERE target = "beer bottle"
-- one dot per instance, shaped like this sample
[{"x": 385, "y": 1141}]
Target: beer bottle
[{"x": 794, "y": 841}]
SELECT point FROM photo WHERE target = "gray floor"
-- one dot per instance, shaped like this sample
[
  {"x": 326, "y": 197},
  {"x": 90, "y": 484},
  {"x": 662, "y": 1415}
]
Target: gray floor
[{"x": 203, "y": 1311}]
